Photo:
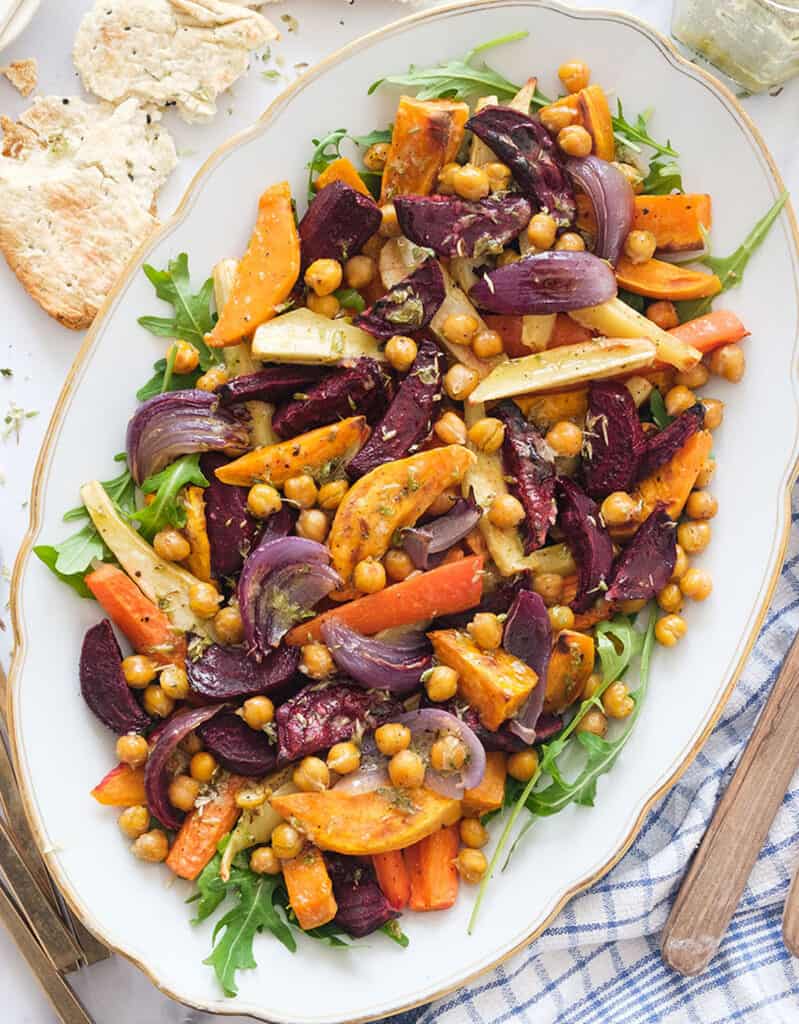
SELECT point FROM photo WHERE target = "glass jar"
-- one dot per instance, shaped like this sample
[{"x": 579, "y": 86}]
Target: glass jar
[{"x": 753, "y": 42}]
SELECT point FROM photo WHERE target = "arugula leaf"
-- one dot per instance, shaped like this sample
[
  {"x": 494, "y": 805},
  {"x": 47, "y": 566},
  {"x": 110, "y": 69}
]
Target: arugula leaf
[
  {"x": 458, "y": 79},
  {"x": 176, "y": 382},
  {"x": 395, "y": 933},
  {"x": 166, "y": 510},
  {"x": 49, "y": 555},
  {"x": 664, "y": 178},
  {"x": 349, "y": 298},
  {"x": 657, "y": 408},
  {"x": 326, "y": 150},
  {"x": 636, "y": 134},
  {"x": 637, "y": 302},
  {"x": 378, "y": 135},
  {"x": 192, "y": 318},
  {"x": 121, "y": 490}
]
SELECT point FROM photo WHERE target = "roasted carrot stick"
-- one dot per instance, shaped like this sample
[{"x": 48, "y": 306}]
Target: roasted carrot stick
[
  {"x": 393, "y": 878},
  {"x": 123, "y": 786},
  {"x": 310, "y": 889},
  {"x": 442, "y": 591},
  {"x": 431, "y": 866},
  {"x": 196, "y": 842},
  {"x": 142, "y": 622},
  {"x": 721, "y": 327}
]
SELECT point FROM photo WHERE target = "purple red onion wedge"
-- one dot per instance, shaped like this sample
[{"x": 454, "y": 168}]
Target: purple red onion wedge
[
  {"x": 546, "y": 282},
  {"x": 423, "y": 543},
  {"x": 375, "y": 664},
  {"x": 528, "y": 636},
  {"x": 612, "y": 199},
  {"x": 426, "y": 725}
]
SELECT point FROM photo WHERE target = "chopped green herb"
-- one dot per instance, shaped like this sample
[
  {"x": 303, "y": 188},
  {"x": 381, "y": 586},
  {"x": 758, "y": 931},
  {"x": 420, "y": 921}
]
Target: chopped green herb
[
  {"x": 657, "y": 409},
  {"x": 167, "y": 509},
  {"x": 349, "y": 298},
  {"x": 272, "y": 75},
  {"x": 14, "y": 419},
  {"x": 6, "y": 371}
]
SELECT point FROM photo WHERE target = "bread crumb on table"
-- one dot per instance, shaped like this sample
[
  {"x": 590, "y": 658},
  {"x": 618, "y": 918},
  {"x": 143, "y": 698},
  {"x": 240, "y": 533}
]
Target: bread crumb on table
[{"x": 22, "y": 74}]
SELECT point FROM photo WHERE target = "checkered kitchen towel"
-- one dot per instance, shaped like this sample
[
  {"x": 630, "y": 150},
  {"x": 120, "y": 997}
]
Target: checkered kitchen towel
[{"x": 599, "y": 963}]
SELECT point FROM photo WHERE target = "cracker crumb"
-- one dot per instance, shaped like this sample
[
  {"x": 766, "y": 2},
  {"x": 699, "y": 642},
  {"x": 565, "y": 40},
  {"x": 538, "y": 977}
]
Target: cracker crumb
[{"x": 23, "y": 75}]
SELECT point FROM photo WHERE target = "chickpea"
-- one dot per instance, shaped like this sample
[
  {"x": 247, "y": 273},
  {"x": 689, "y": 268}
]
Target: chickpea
[
  {"x": 401, "y": 352},
  {"x": 632, "y": 174},
  {"x": 192, "y": 744},
  {"x": 694, "y": 536},
  {"x": 446, "y": 178},
  {"x": 593, "y": 721},
  {"x": 444, "y": 502},
  {"x": 369, "y": 576},
  {"x": 187, "y": 357},
  {"x": 359, "y": 271},
  {"x": 570, "y": 241},
  {"x": 323, "y": 305},
  {"x": 324, "y": 276},
  {"x": 389, "y": 225},
  {"x": 678, "y": 399},
  {"x": 639, "y": 246},
  {"x": 183, "y": 791},
  {"x": 706, "y": 472},
  {"x": 331, "y": 495},
  {"x": 134, "y": 821},
  {"x": 392, "y": 737},
  {"x": 701, "y": 505},
  {"x": 714, "y": 413},
  {"x": 486, "y": 631},
  {"x": 132, "y": 749},
  {"x": 541, "y": 231},
  {"x": 680, "y": 565},
  {"x": 697, "y": 584},
  {"x": 460, "y": 328},
  {"x": 574, "y": 140},
  {"x": 460, "y": 382},
  {"x": 264, "y": 861},
  {"x": 575, "y": 75},
  {"x": 398, "y": 565},
  {"x": 550, "y": 586},
  {"x": 450, "y": 429},
  {"x": 487, "y": 344},
  {"x": 252, "y": 797},
  {"x": 311, "y": 775},
  {"x": 617, "y": 702},
  {"x": 139, "y": 670},
  {"x": 204, "y": 600},
  {"x": 174, "y": 682},
  {"x": 344, "y": 758},
  {"x": 506, "y": 512},
  {"x": 301, "y": 490},
  {"x": 592, "y": 684},
  {"x": 212, "y": 379},
  {"x": 473, "y": 833},
  {"x": 263, "y": 501},
  {"x": 152, "y": 846},
  {"x": 471, "y": 182},
  {"x": 499, "y": 176},
  {"x": 406, "y": 770},
  {"x": 156, "y": 702},
  {"x": 286, "y": 841},
  {"x": 228, "y": 625},
  {"x": 203, "y": 766},
  {"x": 669, "y": 629},
  {"x": 487, "y": 434},
  {"x": 258, "y": 712},
  {"x": 670, "y": 598},
  {"x": 556, "y": 117},
  {"x": 523, "y": 765},
  {"x": 560, "y": 617},
  {"x": 448, "y": 754},
  {"x": 312, "y": 524},
  {"x": 472, "y": 865},
  {"x": 694, "y": 378},
  {"x": 375, "y": 157},
  {"x": 619, "y": 509},
  {"x": 663, "y": 313},
  {"x": 728, "y": 362},
  {"x": 508, "y": 256},
  {"x": 442, "y": 683},
  {"x": 565, "y": 438},
  {"x": 631, "y": 607},
  {"x": 316, "y": 661}
]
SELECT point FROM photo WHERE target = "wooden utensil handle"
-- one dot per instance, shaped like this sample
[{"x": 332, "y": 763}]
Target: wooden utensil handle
[
  {"x": 712, "y": 887},
  {"x": 790, "y": 918}
]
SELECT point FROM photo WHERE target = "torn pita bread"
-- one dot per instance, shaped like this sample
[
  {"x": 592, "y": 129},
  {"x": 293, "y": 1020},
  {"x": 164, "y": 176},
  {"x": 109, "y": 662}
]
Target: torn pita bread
[
  {"x": 181, "y": 53},
  {"x": 77, "y": 198},
  {"x": 23, "y": 75}
]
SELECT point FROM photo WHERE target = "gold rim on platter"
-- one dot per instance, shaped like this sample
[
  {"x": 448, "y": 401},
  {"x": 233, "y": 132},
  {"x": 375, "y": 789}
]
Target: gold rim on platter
[{"x": 756, "y": 618}]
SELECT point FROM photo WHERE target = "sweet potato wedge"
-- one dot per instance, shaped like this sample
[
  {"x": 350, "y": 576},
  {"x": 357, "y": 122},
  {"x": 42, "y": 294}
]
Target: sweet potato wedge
[
  {"x": 594, "y": 112},
  {"x": 123, "y": 786},
  {"x": 490, "y": 794},
  {"x": 658, "y": 279},
  {"x": 679, "y": 223},
  {"x": 570, "y": 664},
  {"x": 427, "y": 134},
  {"x": 342, "y": 170},
  {"x": 309, "y": 453},
  {"x": 363, "y": 824},
  {"x": 310, "y": 888},
  {"x": 389, "y": 498},
  {"x": 545, "y": 410},
  {"x": 494, "y": 682},
  {"x": 674, "y": 481},
  {"x": 199, "y": 561}
]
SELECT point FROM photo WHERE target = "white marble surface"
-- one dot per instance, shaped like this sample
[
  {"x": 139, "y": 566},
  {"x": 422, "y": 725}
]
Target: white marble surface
[{"x": 39, "y": 353}]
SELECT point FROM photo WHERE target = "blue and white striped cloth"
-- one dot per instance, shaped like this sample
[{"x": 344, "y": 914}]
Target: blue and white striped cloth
[{"x": 599, "y": 963}]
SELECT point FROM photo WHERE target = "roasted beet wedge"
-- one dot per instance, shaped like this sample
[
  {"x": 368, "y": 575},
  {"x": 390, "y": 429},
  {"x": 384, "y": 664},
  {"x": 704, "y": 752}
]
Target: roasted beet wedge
[
  {"x": 407, "y": 307},
  {"x": 273, "y": 384},
  {"x": 528, "y": 149},
  {"x": 409, "y": 418},
  {"x": 588, "y": 541},
  {"x": 337, "y": 223},
  {"x": 645, "y": 566},
  {"x": 223, "y": 673},
  {"x": 662, "y": 446},
  {"x": 528, "y": 636},
  {"x": 614, "y": 440},
  {"x": 454, "y": 227},
  {"x": 317, "y": 717},
  {"x": 528, "y": 462},
  {"x": 102, "y": 682},
  {"x": 237, "y": 747},
  {"x": 361, "y": 386},
  {"x": 362, "y": 907},
  {"x": 232, "y": 531}
]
